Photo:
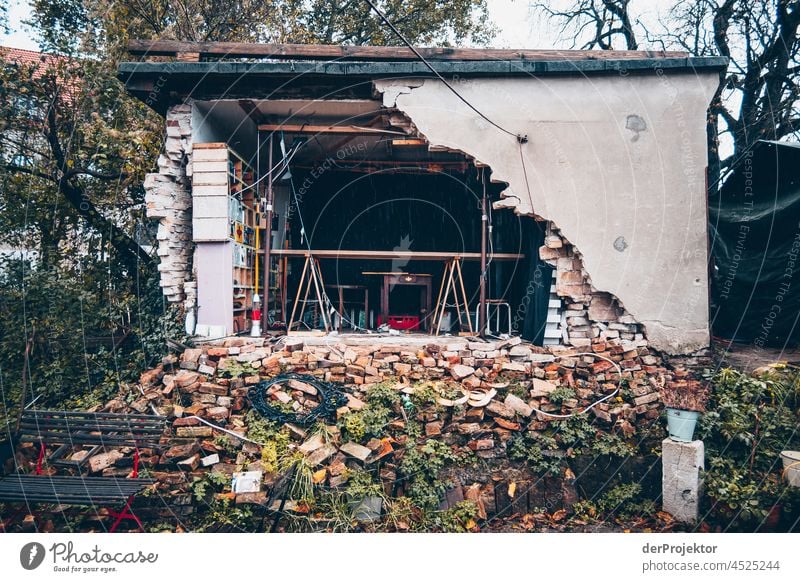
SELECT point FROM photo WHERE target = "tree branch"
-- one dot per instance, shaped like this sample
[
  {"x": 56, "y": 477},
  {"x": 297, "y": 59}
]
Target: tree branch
[
  {"x": 29, "y": 171},
  {"x": 94, "y": 174}
]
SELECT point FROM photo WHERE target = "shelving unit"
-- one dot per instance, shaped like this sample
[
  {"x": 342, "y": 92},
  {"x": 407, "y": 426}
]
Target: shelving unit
[
  {"x": 242, "y": 232},
  {"x": 224, "y": 228}
]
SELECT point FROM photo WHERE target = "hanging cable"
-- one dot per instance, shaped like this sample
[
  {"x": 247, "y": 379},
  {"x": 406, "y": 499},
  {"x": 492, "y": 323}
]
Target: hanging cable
[
  {"x": 596, "y": 402},
  {"x": 279, "y": 167},
  {"x": 520, "y": 138}
]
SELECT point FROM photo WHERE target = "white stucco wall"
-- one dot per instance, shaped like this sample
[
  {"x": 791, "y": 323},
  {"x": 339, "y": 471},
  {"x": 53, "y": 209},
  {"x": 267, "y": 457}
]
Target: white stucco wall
[{"x": 616, "y": 162}]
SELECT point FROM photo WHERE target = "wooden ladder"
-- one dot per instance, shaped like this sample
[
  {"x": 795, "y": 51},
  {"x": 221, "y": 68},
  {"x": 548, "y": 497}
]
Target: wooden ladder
[
  {"x": 311, "y": 276},
  {"x": 452, "y": 280}
]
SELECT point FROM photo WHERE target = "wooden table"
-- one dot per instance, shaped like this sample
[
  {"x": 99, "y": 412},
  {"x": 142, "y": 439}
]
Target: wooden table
[{"x": 390, "y": 279}]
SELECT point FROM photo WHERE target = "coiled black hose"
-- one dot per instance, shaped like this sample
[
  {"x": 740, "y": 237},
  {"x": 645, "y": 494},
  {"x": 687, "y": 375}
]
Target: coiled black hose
[{"x": 330, "y": 398}]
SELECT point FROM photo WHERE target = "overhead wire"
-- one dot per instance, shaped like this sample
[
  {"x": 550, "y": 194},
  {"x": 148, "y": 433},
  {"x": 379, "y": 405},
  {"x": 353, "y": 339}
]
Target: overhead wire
[
  {"x": 399, "y": 34},
  {"x": 521, "y": 138}
]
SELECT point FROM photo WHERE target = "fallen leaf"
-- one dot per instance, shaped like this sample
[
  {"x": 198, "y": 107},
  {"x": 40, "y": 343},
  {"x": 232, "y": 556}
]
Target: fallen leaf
[
  {"x": 319, "y": 476},
  {"x": 512, "y": 488}
]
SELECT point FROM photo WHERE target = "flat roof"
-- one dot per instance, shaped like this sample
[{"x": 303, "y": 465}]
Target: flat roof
[
  {"x": 502, "y": 68},
  {"x": 155, "y": 83}
]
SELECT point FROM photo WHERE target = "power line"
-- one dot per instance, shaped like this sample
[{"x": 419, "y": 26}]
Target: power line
[{"x": 519, "y": 137}]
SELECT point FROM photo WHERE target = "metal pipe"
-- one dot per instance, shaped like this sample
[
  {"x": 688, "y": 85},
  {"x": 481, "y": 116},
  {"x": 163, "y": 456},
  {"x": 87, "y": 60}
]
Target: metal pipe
[
  {"x": 268, "y": 240},
  {"x": 484, "y": 221}
]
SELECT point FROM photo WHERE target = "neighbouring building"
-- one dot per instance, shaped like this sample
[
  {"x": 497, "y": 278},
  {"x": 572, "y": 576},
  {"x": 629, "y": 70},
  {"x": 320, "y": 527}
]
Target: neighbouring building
[{"x": 348, "y": 187}]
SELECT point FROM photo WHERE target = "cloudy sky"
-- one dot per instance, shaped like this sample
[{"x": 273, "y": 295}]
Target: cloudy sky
[
  {"x": 510, "y": 15},
  {"x": 517, "y": 28}
]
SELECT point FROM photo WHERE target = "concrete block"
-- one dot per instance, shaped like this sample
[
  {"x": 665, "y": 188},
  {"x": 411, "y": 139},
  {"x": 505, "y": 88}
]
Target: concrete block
[{"x": 680, "y": 483}]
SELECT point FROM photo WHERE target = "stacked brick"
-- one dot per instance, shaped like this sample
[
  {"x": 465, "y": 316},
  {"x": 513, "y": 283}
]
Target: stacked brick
[
  {"x": 588, "y": 314},
  {"x": 509, "y": 384},
  {"x": 169, "y": 199}
]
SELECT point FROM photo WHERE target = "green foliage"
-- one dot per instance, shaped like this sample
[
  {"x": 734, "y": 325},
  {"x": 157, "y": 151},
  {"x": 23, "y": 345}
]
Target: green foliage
[
  {"x": 302, "y": 488},
  {"x": 612, "y": 444},
  {"x": 209, "y": 483},
  {"x": 541, "y": 452},
  {"x": 361, "y": 484},
  {"x": 749, "y": 421},
  {"x": 584, "y": 509},
  {"x": 440, "y": 22},
  {"x": 222, "y": 515},
  {"x": 457, "y": 519},
  {"x": 575, "y": 432},
  {"x": 421, "y": 467},
  {"x": 424, "y": 395},
  {"x": 274, "y": 439},
  {"x": 560, "y": 394},
  {"x": 227, "y": 443},
  {"x": 77, "y": 326},
  {"x": 518, "y": 390},
  {"x": 371, "y": 420},
  {"x": 234, "y": 369},
  {"x": 618, "y": 499},
  {"x": 337, "y": 511},
  {"x": 353, "y": 426},
  {"x": 260, "y": 429},
  {"x": 383, "y": 394}
]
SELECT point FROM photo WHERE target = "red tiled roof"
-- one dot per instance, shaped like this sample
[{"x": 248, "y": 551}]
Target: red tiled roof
[
  {"x": 26, "y": 57},
  {"x": 42, "y": 62}
]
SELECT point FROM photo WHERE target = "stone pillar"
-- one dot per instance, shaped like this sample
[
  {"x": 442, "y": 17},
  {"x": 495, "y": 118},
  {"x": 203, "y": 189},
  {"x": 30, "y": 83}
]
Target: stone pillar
[{"x": 680, "y": 481}]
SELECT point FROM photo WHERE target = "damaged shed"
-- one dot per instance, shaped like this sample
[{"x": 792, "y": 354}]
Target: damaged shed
[{"x": 557, "y": 195}]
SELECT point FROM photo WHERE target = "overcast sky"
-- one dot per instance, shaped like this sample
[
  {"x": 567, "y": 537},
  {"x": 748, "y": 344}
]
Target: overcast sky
[
  {"x": 517, "y": 28},
  {"x": 511, "y": 16}
]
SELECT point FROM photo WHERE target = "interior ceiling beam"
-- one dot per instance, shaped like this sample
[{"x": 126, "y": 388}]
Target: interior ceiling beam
[
  {"x": 197, "y": 50},
  {"x": 351, "y": 129},
  {"x": 251, "y": 110},
  {"x": 397, "y": 163},
  {"x": 413, "y": 255}
]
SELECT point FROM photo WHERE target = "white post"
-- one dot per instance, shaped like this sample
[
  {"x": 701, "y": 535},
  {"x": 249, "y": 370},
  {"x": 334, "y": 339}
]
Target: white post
[{"x": 680, "y": 482}]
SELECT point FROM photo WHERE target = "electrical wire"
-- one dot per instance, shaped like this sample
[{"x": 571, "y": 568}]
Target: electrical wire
[
  {"x": 331, "y": 308},
  {"x": 520, "y": 138},
  {"x": 281, "y": 166},
  {"x": 595, "y": 403}
]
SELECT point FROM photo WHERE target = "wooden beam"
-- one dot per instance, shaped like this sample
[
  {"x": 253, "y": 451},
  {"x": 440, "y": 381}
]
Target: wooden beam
[
  {"x": 172, "y": 48},
  {"x": 409, "y": 142},
  {"x": 390, "y": 255},
  {"x": 350, "y": 129}
]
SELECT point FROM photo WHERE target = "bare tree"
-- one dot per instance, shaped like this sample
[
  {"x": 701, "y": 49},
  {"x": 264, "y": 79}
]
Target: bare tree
[
  {"x": 595, "y": 23},
  {"x": 757, "y": 96}
]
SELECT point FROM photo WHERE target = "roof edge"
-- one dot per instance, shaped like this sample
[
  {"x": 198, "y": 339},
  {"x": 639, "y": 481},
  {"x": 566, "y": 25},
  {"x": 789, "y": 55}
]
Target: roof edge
[{"x": 490, "y": 68}]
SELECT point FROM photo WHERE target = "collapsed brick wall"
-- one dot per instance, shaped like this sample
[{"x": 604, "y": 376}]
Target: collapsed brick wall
[
  {"x": 588, "y": 314},
  {"x": 211, "y": 382},
  {"x": 168, "y": 197},
  {"x": 195, "y": 384}
]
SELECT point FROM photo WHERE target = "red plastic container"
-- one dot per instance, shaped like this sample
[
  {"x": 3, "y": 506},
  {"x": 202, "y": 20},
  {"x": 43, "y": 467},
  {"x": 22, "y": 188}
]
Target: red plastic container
[{"x": 401, "y": 322}]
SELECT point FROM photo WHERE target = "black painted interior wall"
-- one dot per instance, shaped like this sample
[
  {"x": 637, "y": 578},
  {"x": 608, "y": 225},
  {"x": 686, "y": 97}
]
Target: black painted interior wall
[{"x": 389, "y": 210}]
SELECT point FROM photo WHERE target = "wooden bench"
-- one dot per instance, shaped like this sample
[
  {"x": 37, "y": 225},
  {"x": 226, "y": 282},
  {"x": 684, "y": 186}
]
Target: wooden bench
[
  {"x": 74, "y": 490},
  {"x": 68, "y": 429},
  {"x": 99, "y": 430}
]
